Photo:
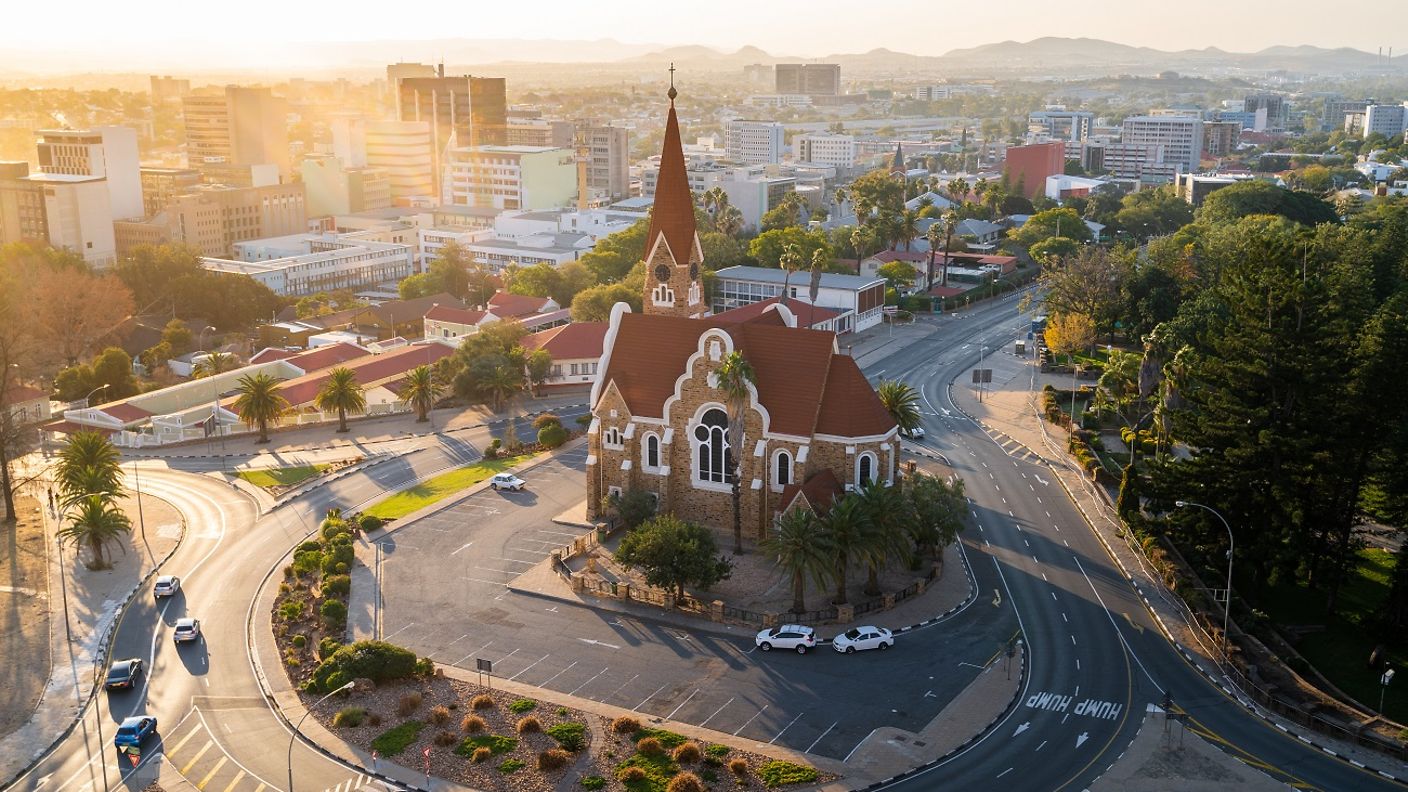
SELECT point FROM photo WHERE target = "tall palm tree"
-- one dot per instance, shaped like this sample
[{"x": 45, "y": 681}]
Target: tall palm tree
[
  {"x": 88, "y": 463},
  {"x": 342, "y": 393},
  {"x": 858, "y": 242},
  {"x": 908, "y": 226},
  {"x": 214, "y": 363},
  {"x": 958, "y": 190},
  {"x": 844, "y": 527},
  {"x": 421, "y": 390},
  {"x": 950, "y": 225},
  {"x": 790, "y": 261},
  {"x": 98, "y": 523},
  {"x": 800, "y": 554},
  {"x": 901, "y": 401},
  {"x": 731, "y": 220},
  {"x": 932, "y": 235},
  {"x": 888, "y": 517},
  {"x": 841, "y": 196},
  {"x": 735, "y": 378},
  {"x": 501, "y": 384},
  {"x": 819, "y": 262},
  {"x": 259, "y": 402}
]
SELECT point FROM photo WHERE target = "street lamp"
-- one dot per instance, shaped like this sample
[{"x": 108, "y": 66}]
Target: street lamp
[
  {"x": 1383, "y": 687},
  {"x": 91, "y": 392},
  {"x": 299, "y": 725},
  {"x": 1227, "y": 602}
]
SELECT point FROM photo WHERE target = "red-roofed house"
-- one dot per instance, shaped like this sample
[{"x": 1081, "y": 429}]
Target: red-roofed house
[
  {"x": 812, "y": 317},
  {"x": 660, "y": 422},
  {"x": 26, "y": 405},
  {"x": 575, "y": 349},
  {"x": 520, "y": 306},
  {"x": 448, "y": 323}
]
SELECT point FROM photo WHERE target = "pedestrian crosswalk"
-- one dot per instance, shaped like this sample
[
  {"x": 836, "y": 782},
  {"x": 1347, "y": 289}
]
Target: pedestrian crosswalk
[{"x": 195, "y": 752}]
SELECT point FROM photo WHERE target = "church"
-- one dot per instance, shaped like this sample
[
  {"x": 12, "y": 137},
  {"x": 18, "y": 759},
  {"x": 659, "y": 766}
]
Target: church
[{"x": 814, "y": 428}]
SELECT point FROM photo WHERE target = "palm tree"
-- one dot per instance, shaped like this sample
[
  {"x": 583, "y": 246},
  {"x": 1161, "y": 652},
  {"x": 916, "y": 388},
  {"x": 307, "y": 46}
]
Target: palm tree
[
  {"x": 501, "y": 384},
  {"x": 858, "y": 242},
  {"x": 843, "y": 528},
  {"x": 888, "y": 517},
  {"x": 214, "y": 363},
  {"x": 980, "y": 188},
  {"x": 98, "y": 523},
  {"x": 908, "y": 226},
  {"x": 901, "y": 401},
  {"x": 259, "y": 402},
  {"x": 735, "y": 378},
  {"x": 819, "y": 262},
  {"x": 950, "y": 224},
  {"x": 730, "y": 220},
  {"x": 790, "y": 261},
  {"x": 88, "y": 463},
  {"x": 800, "y": 553},
  {"x": 342, "y": 393},
  {"x": 841, "y": 196},
  {"x": 420, "y": 391},
  {"x": 958, "y": 190},
  {"x": 932, "y": 235}
]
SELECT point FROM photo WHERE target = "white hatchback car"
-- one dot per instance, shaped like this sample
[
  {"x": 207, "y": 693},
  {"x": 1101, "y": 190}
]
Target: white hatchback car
[
  {"x": 788, "y": 636},
  {"x": 861, "y": 638},
  {"x": 507, "y": 481},
  {"x": 166, "y": 586},
  {"x": 186, "y": 630}
]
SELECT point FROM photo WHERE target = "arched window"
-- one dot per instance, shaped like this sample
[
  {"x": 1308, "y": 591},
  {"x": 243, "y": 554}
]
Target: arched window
[
  {"x": 865, "y": 469},
  {"x": 612, "y": 437},
  {"x": 663, "y": 295},
  {"x": 711, "y": 441},
  {"x": 782, "y": 469},
  {"x": 652, "y": 451}
]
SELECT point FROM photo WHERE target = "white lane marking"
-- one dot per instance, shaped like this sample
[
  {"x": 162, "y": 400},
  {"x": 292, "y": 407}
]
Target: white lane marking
[
  {"x": 530, "y": 665},
  {"x": 785, "y": 728},
  {"x": 637, "y": 707},
  {"x": 1004, "y": 772},
  {"x": 1064, "y": 619},
  {"x": 463, "y": 546},
  {"x": 589, "y": 681},
  {"x": 618, "y": 690},
  {"x": 398, "y": 632},
  {"x": 750, "y": 720},
  {"x": 671, "y": 716},
  {"x": 823, "y": 734},
  {"x": 1115, "y": 624},
  {"x": 716, "y": 712},
  {"x": 545, "y": 682}
]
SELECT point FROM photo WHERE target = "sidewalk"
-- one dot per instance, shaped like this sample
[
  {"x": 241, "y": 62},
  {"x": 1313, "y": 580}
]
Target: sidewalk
[
  {"x": 89, "y": 604},
  {"x": 1009, "y": 411}
]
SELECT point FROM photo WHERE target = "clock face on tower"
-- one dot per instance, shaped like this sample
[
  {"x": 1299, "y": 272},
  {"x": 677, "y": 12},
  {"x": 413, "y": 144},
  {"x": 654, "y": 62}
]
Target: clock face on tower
[
  {"x": 662, "y": 273},
  {"x": 694, "y": 272}
]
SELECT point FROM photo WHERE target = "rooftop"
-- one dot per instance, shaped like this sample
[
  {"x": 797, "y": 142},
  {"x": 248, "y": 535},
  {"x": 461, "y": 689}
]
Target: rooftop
[{"x": 829, "y": 280}]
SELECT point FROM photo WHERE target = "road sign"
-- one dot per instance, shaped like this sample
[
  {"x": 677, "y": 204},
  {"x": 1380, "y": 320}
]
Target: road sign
[
  {"x": 982, "y": 375},
  {"x": 487, "y": 666}
]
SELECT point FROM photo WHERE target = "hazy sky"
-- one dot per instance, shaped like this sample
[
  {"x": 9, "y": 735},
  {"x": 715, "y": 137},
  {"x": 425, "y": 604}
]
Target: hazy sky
[{"x": 809, "y": 28}]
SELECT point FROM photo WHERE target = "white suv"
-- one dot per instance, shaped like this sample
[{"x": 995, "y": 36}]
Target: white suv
[
  {"x": 507, "y": 481},
  {"x": 787, "y": 636}
]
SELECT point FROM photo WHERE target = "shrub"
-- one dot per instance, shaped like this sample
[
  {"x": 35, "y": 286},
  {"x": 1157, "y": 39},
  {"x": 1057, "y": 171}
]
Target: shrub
[
  {"x": 336, "y": 584},
  {"x": 511, "y": 766},
  {"x": 439, "y": 715},
  {"x": 472, "y": 724},
  {"x": 493, "y": 743},
  {"x": 738, "y": 766},
  {"x": 340, "y": 569},
  {"x": 334, "y": 614},
  {"x": 528, "y": 725},
  {"x": 291, "y": 658},
  {"x": 686, "y": 782},
  {"x": 291, "y": 610},
  {"x": 409, "y": 703},
  {"x": 520, "y": 706},
  {"x": 369, "y": 522},
  {"x": 625, "y": 724},
  {"x": 552, "y": 436},
  {"x": 311, "y": 544},
  {"x": 327, "y": 646},
  {"x": 305, "y": 561},
  {"x": 300, "y": 640},
  {"x": 373, "y": 719},
  {"x": 708, "y": 775},
  {"x": 335, "y": 555},
  {"x": 444, "y": 738},
  {"x": 717, "y": 751},
  {"x": 689, "y": 753},
  {"x": 394, "y": 740},
  {"x": 546, "y": 419},
  {"x": 570, "y": 735},
  {"x": 649, "y": 746},
  {"x": 376, "y": 660},
  {"x": 592, "y": 783},
  {"x": 481, "y": 755},
  {"x": 349, "y": 716},
  {"x": 482, "y": 701},
  {"x": 425, "y": 667},
  {"x": 288, "y": 570},
  {"x": 554, "y": 759},
  {"x": 631, "y": 774},
  {"x": 779, "y": 773},
  {"x": 563, "y": 712},
  {"x": 668, "y": 739}
]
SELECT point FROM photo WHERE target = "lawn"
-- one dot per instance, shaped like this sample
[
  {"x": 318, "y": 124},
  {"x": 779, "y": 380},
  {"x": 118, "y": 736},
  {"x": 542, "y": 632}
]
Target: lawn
[
  {"x": 1341, "y": 652},
  {"x": 440, "y": 487},
  {"x": 281, "y": 477}
]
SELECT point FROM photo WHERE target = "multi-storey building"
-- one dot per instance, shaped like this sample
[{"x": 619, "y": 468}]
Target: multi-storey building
[
  {"x": 812, "y": 79},
  {"x": 1220, "y": 138},
  {"x": 1056, "y": 124},
  {"x": 334, "y": 189},
  {"x": 78, "y": 216},
  {"x": 160, "y": 185},
  {"x": 753, "y": 142},
  {"x": 608, "y": 150},
  {"x": 1337, "y": 109},
  {"x": 302, "y": 264},
  {"x": 22, "y": 217},
  {"x": 106, "y": 152},
  {"x": 1180, "y": 136},
  {"x": 168, "y": 89},
  {"x": 826, "y": 149},
  {"x": 1028, "y": 166},
  {"x": 510, "y": 177},
  {"x": 1270, "y": 110},
  {"x": 238, "y": 127},
  {"x": 701, "y": 177},
  {"x": 1385, "y": 119},
  {"x": 212, "y": 218},
  {"x": 401, "y": 149},
  {"x": 462, "y": 112}
]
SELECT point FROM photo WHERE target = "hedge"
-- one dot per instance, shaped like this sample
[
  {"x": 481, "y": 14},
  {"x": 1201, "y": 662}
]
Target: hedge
[{"x": 375, "y": 660}]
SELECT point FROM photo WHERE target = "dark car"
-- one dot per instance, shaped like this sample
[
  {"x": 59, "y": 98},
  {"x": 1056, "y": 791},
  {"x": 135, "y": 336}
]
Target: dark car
[
  {"x": 123, "y": 674},
  {"x": 134, "y": 730}
]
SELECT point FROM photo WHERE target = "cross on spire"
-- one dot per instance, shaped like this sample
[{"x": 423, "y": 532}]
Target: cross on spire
[{"x": 672, "y": 93}]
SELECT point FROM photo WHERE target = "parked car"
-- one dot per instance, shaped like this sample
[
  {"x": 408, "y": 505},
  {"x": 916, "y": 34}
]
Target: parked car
[
  {"x": 123, "y": 674},
  {"x": 787, "y": 636},
  {"x": 186, "y": 630},
  {"x": 913, "y": 434},
  {"x": 166, "y": 586},
  {"x": 861, "y": 638},
  {"x": 507, "y": 481},
  {"x": 132, "y": 731}
]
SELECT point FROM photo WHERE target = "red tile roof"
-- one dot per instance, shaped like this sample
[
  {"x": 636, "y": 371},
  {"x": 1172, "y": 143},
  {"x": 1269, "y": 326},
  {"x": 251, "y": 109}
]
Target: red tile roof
[
  {"x": 886, "y": 256},
  {"x": 797, "y": 374},
  {"x": 370, "y": 370},
  {"x": 124, "y": 412},
  {"x": 673, "y": 213},
  {"x": 808, "y": 315},
  {"x": 449, "y": 313},
  {"x": 69, "y": 427},
  {"x": 21, "y": 394},
  {"x": 570, "y": 341},
  {"x": 820, "y": 490},
  {"x": 510, "y": 306},
  {"x": 271, "y": 353},
  {"x": 946, "y": 291},
  {"x": 326, "y": 356}
]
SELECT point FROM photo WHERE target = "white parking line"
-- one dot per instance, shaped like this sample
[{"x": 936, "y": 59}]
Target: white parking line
[
  {"x": 716, "y": 712},
  {"x": 589, "y": 681},
  {"x": 513, "y": 560},
  {"x": 823, "y": 734},
  {"x": 501, "y": 571},
  {"x": 637, "y": 707},
  {"x": 525, "y": 668},
  {"x": 671, "y": 716},
  {"x": 785, "y": 728},
  {"x": 618, "y": 690},
  {"x": 490, "y": 582},
  {"x": 545, "y": 682},
  {"x": 398, "y": 632},
  {"x": 750, "y": 720}
]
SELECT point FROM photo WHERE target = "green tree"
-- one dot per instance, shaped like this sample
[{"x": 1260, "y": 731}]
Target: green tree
[
  {"x": 97, "y": 523},
  {"x": 1254, "y": 197},
  {"x": 786, "y": 214},
  {"x": 1053, "y": 249},
  {"x": 1051, "y": 223},
  {"x": 844, "y": 530},
  {"x": 898, "y": 275},
  {"x": 888, "y": 516},
  {"x": 673, "y": 554},
  {"x": 901, "y": 402},
  {"x": 939, "y": 508},
  {"x": 88, "y": 464},
  {"x": 539, "y": 280},
  {"x": 343, "y": 393},
  {"x": 1150, "y": 213},
  {"x": 421, "y": 390},
  {"x": 499, "y": 383},
  {"x": 1089, "y": 283},
  {"x": 178, "y": 335},
  {"x": 735, "y": 379},
  {"x": 538, "y": 365},
  {"x": 594, "y": 304},
  {"x": 769, "y": 246},
  {"x": 259, "y": 402},
  {"x": 1068, "y": 333},
  {"x": 800, "y": 554},
  {"x": 214, "y": 363}
]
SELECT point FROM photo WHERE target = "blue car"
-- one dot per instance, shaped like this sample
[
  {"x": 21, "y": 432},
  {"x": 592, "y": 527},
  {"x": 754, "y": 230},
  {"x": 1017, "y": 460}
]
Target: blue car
[{"x": 134, "y": 730}]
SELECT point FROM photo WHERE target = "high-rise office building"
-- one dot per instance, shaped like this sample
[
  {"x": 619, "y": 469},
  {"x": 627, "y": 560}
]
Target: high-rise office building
[
  {"x": 824, "y": 148},
  {"x": 813, "y": 79},
  {"x": 511, "y": 177},
  {"x": 1028, "y": 166},
  {"x": 462, "y": 112},
  {"x": 71, "y": 212},
  {"x": 1271, "y": 111},
  {"x": 608, "y": 150},
  {"x": 753, "y": 142},
  {"x": 336, "y": 189},
  {"x": 1180, "y": 136},
  {"x": 1387, "y": 120},
  {"x": 1220, "y": 138},
  {"x": 237, "y": 127},
  {"x": 169, "y": 89},
  {"x": 160, "y": 185},
  {"x": 107, "y": 152},
  {"x": 211, "y": 218},
  {"x": 22, "y": 217},
  {"x": 1061, "y": 124},
  {"x": 400, "y": 149}
]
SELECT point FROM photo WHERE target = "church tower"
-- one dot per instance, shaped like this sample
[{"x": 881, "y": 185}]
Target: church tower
[{"x": 673, "y": 256}]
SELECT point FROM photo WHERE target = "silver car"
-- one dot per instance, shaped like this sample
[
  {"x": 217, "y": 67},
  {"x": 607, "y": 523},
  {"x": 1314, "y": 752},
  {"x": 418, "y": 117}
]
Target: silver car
[
  {"x": 861, "y": 638},
  {"x": 186, "y": 630},
  {"x": 788, "y": 636},
  {"x": 166, "y": 586}
]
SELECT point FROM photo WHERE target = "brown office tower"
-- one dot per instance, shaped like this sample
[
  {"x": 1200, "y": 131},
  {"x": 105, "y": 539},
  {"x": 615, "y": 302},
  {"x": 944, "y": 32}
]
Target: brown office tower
[{"x": 462, "y": 111}]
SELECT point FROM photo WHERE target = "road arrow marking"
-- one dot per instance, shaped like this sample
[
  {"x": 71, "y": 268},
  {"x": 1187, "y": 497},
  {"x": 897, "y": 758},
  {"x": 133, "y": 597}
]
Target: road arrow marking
[
  {"x": 43, "y": 780},
  {"x": 463, "y": 546},
  {"x": 1082, "y": 737},
  {"x": 1043, "y": 481},
  {"x": 595, "y": 642},
  {"x": 996, "y": 598},
  {"x": 1022, "y": 728}
]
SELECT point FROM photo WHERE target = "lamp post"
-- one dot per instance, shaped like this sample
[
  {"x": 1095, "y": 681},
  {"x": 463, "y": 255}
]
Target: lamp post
[
  {"x": 91, "y": 392},
  {"x": 1383, "y": 687},
  {"x": 299, "y": 725},
  {"x": 1227, "y": 602}
]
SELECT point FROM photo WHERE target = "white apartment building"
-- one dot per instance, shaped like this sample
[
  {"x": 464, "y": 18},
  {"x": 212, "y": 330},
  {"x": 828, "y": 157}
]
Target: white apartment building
[
  {"x": 302, "y": 264},
  {"x": 511, "y": 177},
  {"x": 1054, "y": 124},
  {"x": 107, "y": 152},
  {"x": 401, "y": 149},
  {"x": 78, "y": 211},
  {"x": 555, "y": 249},
  {"x": 1391, "y": 121},
  {"x": 701, "y": 175},
  {"x": 933, "y": 93},
  {"x": 826, "y": 149},
  {"x": 1180, "y": 136},
  {"x": 753, "y": 142},
  {"x": 778, "y": 100}
]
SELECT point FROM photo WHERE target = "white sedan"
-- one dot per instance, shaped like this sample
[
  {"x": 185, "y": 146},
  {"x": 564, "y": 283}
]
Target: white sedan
[
  {"x": 186, "y": 630},
  {"x": 861, "y": 638},
  {"x": 166, "y": 586},
  {"x": 507, "y": 481}
]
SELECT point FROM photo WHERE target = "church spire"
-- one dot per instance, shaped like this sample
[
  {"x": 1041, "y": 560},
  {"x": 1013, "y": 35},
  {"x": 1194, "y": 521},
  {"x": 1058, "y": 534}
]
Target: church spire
[
  {"x": 897, "y": 165},
  {"x": 672, "y": 268}
]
